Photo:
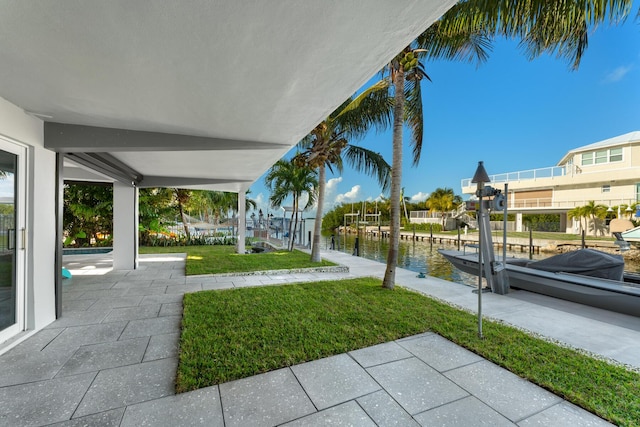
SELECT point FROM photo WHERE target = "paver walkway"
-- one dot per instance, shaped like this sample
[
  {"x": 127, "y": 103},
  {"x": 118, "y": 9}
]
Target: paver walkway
[{"x": 111, "y": 360}]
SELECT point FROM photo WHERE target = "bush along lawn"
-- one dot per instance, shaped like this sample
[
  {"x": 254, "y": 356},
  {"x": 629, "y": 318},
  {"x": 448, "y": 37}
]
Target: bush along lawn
[
  {"x": 236, "y": 333},
  {"x": 218, "y": 259}
]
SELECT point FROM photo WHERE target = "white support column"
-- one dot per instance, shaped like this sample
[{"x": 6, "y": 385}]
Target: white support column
[
  {"x": 125, "y": 227},
  {"x": 519, "y": 221},
  {"x": 242, "y": 226}
]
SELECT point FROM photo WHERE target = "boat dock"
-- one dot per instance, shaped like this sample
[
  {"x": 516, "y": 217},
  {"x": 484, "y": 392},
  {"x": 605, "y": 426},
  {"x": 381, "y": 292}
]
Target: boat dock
[{"x": 459, "y": 241}]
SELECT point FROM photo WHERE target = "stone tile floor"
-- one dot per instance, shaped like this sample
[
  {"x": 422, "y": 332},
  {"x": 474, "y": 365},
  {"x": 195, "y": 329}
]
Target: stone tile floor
[{"x": 111, "y": 361}]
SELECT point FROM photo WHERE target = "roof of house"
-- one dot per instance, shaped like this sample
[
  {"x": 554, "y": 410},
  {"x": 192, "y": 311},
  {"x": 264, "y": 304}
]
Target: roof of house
[{"x": 627, "y": 138}]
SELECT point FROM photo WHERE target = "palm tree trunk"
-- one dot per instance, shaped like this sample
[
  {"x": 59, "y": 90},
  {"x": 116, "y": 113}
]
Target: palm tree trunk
[
  {"x": 184, "y": 220},
  {"x": 289, "y": 245},
  {"x": 294, "y": 225},
  {"x": 317, "y": 226},
  {"x": 396, "y": 176}
]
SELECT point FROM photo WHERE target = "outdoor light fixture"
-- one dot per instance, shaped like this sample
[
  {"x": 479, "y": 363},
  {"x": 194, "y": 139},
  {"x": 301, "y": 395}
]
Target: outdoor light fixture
[{"x": 479, "y": 178}]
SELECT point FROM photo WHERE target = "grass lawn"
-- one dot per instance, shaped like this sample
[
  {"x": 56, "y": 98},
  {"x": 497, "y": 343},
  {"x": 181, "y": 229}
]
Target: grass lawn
[
  {"x": 218, "y": 259},
  {"x": 237, "y": 333}
]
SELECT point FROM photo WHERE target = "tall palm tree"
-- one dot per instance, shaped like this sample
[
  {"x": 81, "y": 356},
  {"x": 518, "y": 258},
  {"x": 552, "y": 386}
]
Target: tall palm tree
[
  {"x": 406, "y": 73},
  {"x": 443, "y": 200},
  {"x": 464, "y": 33},
  {"x": 326, "y": 145},
  {"x": 286, "y": 179}
]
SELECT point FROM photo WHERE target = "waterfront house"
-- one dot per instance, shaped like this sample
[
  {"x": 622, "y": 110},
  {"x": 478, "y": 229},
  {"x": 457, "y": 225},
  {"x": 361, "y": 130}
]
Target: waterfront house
[{"x": 606, "y": 172}]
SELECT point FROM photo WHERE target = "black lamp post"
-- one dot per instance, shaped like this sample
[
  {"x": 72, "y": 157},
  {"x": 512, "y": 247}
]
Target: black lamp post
[{"x": 479, "y": 178}]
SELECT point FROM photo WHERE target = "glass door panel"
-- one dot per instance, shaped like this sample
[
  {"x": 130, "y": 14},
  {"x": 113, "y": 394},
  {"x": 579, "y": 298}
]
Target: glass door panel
[{"x": 11, "y": 231}]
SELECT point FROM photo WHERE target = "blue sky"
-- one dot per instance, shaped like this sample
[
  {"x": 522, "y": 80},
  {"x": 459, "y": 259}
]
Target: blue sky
[{"x": 510, "y": 112}]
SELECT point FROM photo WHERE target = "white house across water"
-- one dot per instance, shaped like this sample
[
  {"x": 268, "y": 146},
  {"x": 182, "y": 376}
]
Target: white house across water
[{"x": 606, "y": 172}]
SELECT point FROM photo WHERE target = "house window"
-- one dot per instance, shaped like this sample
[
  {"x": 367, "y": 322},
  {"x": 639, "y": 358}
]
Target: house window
[
  {"x": 606, "y": 188},
  {"x": 615, "y": 155},
  {"x": 602, "y": 156}
]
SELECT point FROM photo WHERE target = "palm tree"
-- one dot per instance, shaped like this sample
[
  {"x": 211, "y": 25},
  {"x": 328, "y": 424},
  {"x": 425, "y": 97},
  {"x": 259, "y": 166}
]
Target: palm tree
[
  {"x": 403, "y": 202},
  {"x": 286, "y": 179},
  {"x": 406, "y": 73},
  {"x": 577, "y": 213},
  {"x": 596, "y": 212},
  {"x": 463, "y": 33},
  {"x": 443, "y": 200},
  {"x": 182, "y": 197},
  {"x": 326, "y": 145}
]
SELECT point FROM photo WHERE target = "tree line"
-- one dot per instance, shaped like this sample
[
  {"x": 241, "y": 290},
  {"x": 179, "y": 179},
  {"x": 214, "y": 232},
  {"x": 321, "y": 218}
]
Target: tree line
[{"x": 88, "y": 213}]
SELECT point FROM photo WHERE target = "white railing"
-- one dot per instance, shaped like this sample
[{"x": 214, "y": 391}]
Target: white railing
[
  {"x": 546, "y": 202},
  {"x": 531, "y": 174}
]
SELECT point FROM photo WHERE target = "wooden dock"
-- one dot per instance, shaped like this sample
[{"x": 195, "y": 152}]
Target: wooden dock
[{"x": 455, "y": 241}]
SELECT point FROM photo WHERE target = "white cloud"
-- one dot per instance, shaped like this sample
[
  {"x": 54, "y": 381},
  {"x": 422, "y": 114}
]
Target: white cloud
[
  {"x": 419, "y": 197},
  {"x": 261, "y": 201},
  {"x": 617, "y": 74},
  {"x": 332, "y": 184},
  {"x": 330, "y": 190},
  {"x": 355, "y": 194},
  {"x": 379, "y": 198}
]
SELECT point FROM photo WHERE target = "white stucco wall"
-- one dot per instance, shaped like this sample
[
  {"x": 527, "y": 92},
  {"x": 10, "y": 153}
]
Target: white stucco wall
[{"x": 22, "y": 128}]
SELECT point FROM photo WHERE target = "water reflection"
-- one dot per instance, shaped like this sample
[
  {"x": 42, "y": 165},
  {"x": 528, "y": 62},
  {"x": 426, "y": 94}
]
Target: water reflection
[{"x": 420, "y": 256}]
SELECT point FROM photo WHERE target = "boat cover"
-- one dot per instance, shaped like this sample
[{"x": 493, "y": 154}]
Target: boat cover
[{"x": 587, "y": 262}]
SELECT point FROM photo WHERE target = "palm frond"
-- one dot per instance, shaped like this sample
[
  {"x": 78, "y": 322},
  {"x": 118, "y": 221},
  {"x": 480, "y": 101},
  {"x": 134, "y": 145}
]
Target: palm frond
[
  {"x": 370, "y": 109},
  {"x": 466, "y": 45},
  {"x": 557, "y": 27},
  {"x": 371, "y": 163}
]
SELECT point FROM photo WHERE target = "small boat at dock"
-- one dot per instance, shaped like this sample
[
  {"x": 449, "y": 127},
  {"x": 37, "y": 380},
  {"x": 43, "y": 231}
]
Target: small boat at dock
[{"x": 585, "y": 276}]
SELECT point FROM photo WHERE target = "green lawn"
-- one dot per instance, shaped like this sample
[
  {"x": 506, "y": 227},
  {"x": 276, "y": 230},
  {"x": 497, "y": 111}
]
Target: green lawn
[
  {"x": 237, "y": 333},
  {"x": 223, "y": 259}
]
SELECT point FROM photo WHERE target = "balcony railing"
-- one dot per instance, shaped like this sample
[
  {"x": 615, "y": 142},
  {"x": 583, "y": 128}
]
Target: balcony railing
[
  {"x": 531, "y": 174},
  {"x": 548, "y": 203}
]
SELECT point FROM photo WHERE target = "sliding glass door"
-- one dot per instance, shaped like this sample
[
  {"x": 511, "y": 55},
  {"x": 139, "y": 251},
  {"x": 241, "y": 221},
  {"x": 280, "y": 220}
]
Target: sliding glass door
[{"x": 12, "y": 238}]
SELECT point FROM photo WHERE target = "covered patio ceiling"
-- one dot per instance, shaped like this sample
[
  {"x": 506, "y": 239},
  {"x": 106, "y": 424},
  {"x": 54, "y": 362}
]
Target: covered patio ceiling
[{"x": 198, "y": 94}]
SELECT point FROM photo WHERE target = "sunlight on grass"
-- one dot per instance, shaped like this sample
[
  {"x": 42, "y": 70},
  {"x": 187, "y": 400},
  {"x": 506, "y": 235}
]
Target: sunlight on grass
[
  {"x": 237, "y": 333},
  {"x": 224, "y": 259}
]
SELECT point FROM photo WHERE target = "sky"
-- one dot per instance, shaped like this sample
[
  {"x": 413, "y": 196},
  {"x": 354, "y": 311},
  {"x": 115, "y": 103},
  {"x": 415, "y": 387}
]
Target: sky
[{"x": 510, "y": 112}]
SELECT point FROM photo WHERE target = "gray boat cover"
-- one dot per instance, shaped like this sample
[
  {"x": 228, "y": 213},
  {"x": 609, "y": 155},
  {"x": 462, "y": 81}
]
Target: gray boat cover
[{"x": 587, "y": 262}]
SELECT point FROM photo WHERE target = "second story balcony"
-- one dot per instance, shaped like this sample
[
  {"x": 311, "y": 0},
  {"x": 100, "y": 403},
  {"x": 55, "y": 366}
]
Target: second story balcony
[{"x": 531, "y": 174}]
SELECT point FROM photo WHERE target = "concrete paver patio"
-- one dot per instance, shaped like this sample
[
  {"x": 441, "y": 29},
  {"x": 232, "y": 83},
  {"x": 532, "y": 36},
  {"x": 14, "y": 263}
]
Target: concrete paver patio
[{"x": 111, "y": 360}]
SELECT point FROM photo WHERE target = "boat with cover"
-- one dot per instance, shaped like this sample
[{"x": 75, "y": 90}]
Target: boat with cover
[{"x": 585, "y": 276}]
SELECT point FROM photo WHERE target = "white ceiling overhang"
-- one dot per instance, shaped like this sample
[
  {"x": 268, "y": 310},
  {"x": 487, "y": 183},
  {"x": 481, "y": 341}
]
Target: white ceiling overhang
[{"x": 203, "y": 94}]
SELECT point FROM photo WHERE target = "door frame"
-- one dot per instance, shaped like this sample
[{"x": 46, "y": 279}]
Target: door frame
[{"x": 20, "y": 225}]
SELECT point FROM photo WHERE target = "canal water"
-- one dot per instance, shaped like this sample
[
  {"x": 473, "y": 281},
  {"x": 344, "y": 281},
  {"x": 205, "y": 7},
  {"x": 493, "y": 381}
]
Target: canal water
[{"x": 422, "y": 257}]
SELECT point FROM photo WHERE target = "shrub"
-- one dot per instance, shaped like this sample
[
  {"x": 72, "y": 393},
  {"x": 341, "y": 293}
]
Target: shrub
[{"x": 437, "y": 228}]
